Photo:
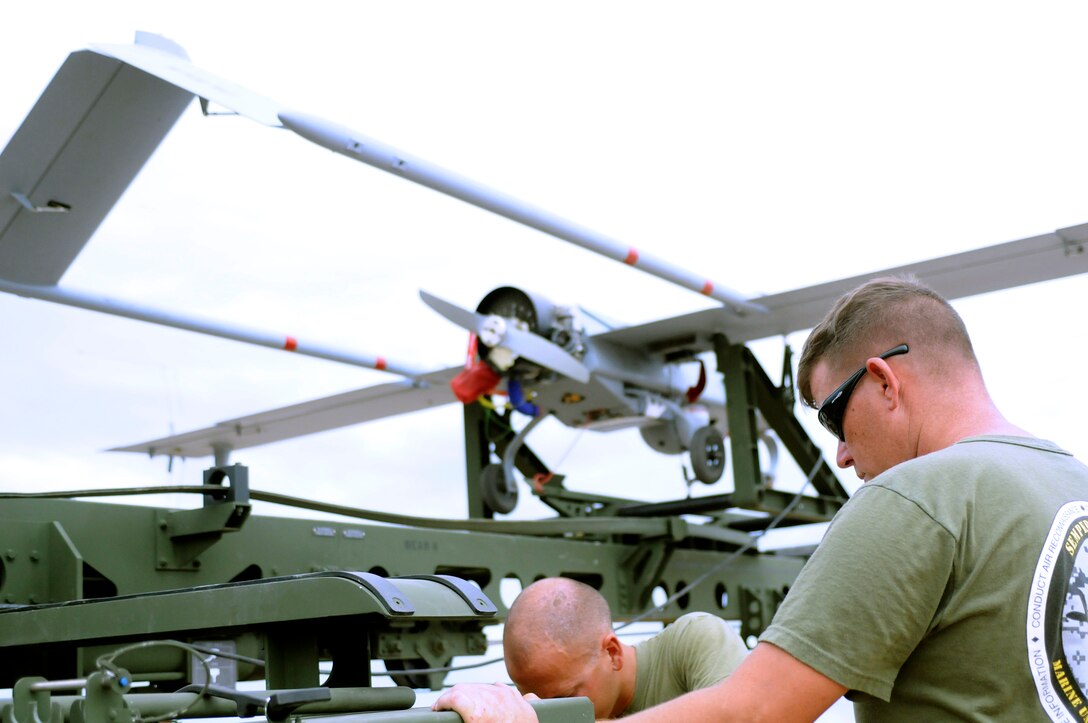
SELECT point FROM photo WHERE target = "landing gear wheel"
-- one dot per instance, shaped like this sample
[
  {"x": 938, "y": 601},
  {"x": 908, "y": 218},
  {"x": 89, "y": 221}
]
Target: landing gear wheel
[
  {"x": 498, "y": 495},
  {"x": 708, "y": 454},
  {"x": 415, "y": 680}
]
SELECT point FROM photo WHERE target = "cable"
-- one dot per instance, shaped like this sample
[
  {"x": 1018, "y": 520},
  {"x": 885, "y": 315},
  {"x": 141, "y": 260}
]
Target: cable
[
  {"x": 105, "y": 663},
  {"x": 733, "y": 556},
  {"x": 575, "y": 441},
  {"x": 443, "y": 669},
  {"x": 224, "y": 654},
  {"x": 116, "y": 491},
  {"x": 494, "y": 417}
]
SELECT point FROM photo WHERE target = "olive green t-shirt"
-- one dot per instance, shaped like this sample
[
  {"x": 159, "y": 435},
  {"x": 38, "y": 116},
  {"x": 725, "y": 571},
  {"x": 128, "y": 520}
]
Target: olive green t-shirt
[
  {"x": 952, "y": 587},
  {"x": 696, "y": 651}
]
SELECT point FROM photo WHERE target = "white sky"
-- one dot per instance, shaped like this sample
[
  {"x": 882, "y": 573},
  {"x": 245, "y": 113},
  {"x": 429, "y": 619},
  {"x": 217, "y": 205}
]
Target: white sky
[{"x": 767, "y": 145}]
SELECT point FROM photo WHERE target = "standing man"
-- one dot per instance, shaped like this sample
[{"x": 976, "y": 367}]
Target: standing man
[
  {"x": 558, "y": 643},
  {"x": 952, "y": 585}
]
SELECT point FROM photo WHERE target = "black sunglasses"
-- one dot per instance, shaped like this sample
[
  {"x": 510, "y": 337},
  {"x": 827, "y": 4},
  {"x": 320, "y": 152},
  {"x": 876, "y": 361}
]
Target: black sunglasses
[{"x": 834, "y": 407}]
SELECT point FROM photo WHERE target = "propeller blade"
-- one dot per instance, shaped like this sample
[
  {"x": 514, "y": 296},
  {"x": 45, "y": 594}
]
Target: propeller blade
[
  {"x": 467, "y": 320},
  {"x": 524, "y": 343}
]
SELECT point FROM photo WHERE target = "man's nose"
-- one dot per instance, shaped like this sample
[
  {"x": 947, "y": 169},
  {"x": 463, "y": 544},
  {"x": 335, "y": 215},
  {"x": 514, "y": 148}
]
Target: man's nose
[{"x": 843, "y": 457}]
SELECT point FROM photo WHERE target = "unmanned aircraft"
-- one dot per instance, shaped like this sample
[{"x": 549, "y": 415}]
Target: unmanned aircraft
[{"x": 536, "y": 354}]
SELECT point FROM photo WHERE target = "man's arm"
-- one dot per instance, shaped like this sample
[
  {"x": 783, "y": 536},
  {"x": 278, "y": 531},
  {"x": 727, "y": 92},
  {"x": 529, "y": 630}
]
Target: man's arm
[{"x": 769, "y": 685}]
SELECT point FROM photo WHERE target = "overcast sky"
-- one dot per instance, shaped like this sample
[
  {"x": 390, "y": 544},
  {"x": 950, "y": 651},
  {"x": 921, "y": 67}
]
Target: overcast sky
[{"x": 769, "y": 146}]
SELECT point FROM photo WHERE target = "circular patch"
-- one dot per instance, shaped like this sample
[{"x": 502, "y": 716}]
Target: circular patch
[{"x": 1057, "y": 620}]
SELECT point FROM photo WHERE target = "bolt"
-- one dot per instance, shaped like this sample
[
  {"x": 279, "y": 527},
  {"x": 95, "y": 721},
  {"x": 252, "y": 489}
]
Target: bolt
[
  {"x": 162, "y": 524},
  {"x": 35, "y": 556},
  {"x": 10, "y": 555},
  {"x": 162, "y": 562}
]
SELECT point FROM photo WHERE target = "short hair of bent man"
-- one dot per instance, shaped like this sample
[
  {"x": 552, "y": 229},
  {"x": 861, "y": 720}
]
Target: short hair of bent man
[{"x": 558, "y": 643}]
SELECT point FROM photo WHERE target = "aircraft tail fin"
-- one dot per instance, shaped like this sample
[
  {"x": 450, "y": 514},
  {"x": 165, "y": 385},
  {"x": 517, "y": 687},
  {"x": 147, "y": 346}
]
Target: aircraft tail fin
[{"x": 80, "y": 147}]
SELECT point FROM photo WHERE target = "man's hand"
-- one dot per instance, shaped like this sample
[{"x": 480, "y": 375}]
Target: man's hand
[{"x": 479, "y": 703}]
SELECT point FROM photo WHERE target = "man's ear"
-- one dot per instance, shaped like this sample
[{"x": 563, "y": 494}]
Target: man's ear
[
  {"x": 614, "y": 648},
  {"x": 889, "y": 380}
]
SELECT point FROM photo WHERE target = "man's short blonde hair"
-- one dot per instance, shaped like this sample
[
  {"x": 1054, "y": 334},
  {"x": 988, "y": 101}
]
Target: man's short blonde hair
[{"x": 879, "y": 315}]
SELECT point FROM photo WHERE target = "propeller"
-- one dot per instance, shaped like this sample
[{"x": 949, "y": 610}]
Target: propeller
[{"x": 494, "y": 330}]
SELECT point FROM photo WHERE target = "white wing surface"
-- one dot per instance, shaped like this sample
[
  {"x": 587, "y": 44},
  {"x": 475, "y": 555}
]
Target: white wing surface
[
  {"x": 1003, "y": 266},
  {"x": 86, "y": 138},
  {"x": 297, "y": 420}
]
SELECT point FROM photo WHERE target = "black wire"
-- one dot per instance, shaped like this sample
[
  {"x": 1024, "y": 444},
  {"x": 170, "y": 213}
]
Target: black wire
[
  {"x": 105, "y": 662},
  {"x": 117, "y": 491},
  {"x": 442, "y": 669},
  {"x": 733, "y": 556},
  {"x": 224, "y": 654}
]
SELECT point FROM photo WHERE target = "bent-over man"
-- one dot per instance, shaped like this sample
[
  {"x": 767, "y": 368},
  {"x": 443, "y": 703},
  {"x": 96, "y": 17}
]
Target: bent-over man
[{"x": 559, "y": 643}]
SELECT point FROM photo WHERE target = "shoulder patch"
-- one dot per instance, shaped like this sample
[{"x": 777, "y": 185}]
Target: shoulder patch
[{"x": 1057, "y": 616}]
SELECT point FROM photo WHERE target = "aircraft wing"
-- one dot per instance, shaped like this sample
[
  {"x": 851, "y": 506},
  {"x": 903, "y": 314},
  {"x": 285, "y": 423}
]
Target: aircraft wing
[
  {"x": 175, "y": 68},
  {"x": 318, "y": 415},
  {"x": 84, "y": 141},
  {"x": 1039, "y": 258}
]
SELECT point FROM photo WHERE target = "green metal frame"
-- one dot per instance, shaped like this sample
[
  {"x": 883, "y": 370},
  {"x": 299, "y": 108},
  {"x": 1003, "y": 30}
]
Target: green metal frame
[
  {"x": 749, "y": 391},
  {"x": 54, "y": 551},
  {"x": 750, "y": 395},
  {"x": 298, "y": 621},
  {"x": 107, "y": 700}
]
